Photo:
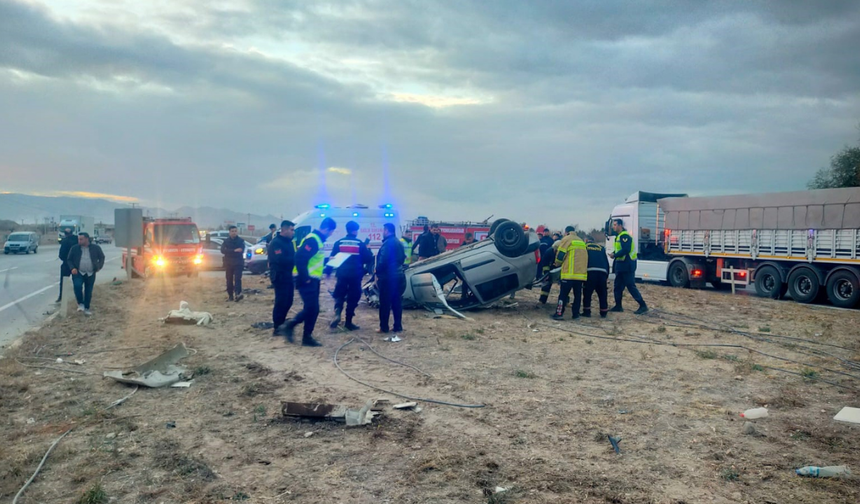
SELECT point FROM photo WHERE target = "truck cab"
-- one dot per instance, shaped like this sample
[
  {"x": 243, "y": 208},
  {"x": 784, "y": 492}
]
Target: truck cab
[
  {"x": 170, "y": 246},
  {"x": 643, "y": 219}
]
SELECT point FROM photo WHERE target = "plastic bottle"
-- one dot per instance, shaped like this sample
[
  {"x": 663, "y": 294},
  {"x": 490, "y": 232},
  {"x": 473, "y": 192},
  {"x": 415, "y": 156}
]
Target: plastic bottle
[
  {"x": 752, "y": 414},
  {"x": 824, "y": 472}
]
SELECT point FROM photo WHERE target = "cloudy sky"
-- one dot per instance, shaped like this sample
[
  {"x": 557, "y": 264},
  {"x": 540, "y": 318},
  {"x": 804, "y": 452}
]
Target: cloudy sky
[{"x": 549, "y": 111}]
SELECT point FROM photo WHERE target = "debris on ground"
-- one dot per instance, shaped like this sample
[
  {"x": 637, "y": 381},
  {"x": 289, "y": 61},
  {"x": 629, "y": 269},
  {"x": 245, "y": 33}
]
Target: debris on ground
[
  {"x": 406, "y": 405},
  {"x": 848, "y": 414},
  {"x": 336, "y": 412},
  {"x": 184, "y": 315},
  {"x": 614, "y": 442},
  {"x": 824, "y": 472},
  {"x": 263, "y": 325},
  {"x": 159, "y": 372}
]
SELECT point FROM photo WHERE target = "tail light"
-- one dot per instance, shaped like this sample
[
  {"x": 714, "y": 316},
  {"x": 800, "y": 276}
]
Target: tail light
[{"x": 697, "y": 273}]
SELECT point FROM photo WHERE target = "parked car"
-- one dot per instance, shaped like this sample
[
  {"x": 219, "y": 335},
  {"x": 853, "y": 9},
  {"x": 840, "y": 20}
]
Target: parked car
[
  {"x": 212, "y": 257},
  {"x": 256, "y": 257},
  {"x": 478, "y": 274},
  {"x": 104, "y": 239},
  {"x": 22, "y": 241}
]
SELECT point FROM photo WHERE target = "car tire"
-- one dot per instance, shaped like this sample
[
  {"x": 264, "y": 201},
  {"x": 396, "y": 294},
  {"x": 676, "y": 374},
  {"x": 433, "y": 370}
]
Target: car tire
[
  {"x": 803, "y": 285},
  {"x": 678, "y": 275},
  {"x": 496, "y": 224},
  {"x": 36, "y": 250},
  {"x": 843, "y": 289},
  {"x": 510, "y": 239},
  {"x": 768, "y": 283}
]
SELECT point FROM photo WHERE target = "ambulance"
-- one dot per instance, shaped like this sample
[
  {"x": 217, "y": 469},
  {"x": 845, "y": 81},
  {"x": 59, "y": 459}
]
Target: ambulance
[{"x": 370, "y": 220}]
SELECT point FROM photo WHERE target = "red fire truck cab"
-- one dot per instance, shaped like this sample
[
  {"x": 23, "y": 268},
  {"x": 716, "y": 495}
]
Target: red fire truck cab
[{"x": 170, "y": 246}]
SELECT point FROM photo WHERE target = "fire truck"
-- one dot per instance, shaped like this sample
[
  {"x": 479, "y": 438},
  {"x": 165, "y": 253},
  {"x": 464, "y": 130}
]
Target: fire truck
[
  {"x": 170, "y": 246},
  {"x": 454, "y": 232}
]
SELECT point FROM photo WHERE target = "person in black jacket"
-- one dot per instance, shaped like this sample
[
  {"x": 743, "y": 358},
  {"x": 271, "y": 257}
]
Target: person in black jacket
[
  {"x": 349, "y": 274},
  {"x": 282, "y": 258},
  {"x": 598, "y": 275},
  {"x": 624, "y": 266},
  {"x": 69, "y": 241},
  {"x": 233, "y": 249},
  {"x": 428, "y": 243},
  {"x": 84, "y": 261},
  {"x": 391, "y": 280},
  {"x": 273, "y": 232}
]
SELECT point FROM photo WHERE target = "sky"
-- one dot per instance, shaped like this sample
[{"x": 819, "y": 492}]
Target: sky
[{"x": 548, "y": 112}]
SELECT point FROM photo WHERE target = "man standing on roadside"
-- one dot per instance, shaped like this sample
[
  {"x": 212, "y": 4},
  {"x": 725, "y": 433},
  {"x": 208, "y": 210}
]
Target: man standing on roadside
[
  {"x": 624, "y": 266},
  {"x": 310, "y": 263},
  {"x": 69, "y": 241},
  {"x": 390, "y": 280},
  {"x": 282, "y": 260},
  {"x": 428, "y": 243},
  {"x": 85, "y": 260},
  {"x": 233, "y": 248},
  {"x": 273, "y": 232}
]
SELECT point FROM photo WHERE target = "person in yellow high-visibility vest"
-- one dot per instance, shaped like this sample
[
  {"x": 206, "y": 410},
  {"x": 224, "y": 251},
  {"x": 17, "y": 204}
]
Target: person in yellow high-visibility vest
[
  {"x": 406, "y": 241},
  {"x": 572, "y": 256},
  {"x": 624, "y": 266},
  {"x": 310, "y": 263}
]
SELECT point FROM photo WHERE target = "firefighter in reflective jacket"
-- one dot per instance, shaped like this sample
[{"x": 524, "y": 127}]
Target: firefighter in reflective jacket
[
  {"x": 349, "y": 274},
  {"x": 598, "y": 274},
  {"x": 624, "y": 266},
  {"x": 573, "y": 259},
  {"x": 310, "y": 262}
]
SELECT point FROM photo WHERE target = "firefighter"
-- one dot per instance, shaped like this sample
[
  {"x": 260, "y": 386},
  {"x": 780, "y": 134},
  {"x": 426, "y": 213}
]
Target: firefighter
[
  {"x": 598, "y": 275},
  {"x": 282, "y": 258},
  {"x": 406, "y": 241},
  {"x": 309, "y": 267},
  {"x": 624, "y": 266},
  {"x": 349, "y": 274},
  {"x": 573, "y": 259}
]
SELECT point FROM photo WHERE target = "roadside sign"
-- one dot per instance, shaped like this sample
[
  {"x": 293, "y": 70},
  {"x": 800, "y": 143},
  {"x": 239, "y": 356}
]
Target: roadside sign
[{"x": 251, "y": 227}]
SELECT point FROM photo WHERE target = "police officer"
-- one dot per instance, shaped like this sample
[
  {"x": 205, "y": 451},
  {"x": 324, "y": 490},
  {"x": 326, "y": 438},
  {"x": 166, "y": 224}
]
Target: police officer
[
  {"x": 282, "y": 257},
  {"x": 547, "y": 256},
  {"x": 309, "y": 268},
  {"x": 349, "y": 274},
  {"x": 573, "y": 259},
  {"x": 406, "y": 241},
  {"x": 391, "y": 281},
  {"x": 598, "y": 274},
  {"x": 624, "y": 266}
]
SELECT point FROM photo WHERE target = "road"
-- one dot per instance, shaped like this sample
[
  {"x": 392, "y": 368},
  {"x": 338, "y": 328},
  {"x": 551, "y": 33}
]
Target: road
[{"x": 30, "y": 287}]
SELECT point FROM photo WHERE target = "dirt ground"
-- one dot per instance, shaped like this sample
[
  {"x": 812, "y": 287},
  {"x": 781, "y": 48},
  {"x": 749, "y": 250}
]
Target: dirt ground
[{"x": 553, "y": 392}]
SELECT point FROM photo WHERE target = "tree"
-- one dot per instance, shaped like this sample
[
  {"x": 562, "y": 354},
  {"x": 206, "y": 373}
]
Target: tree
[{"x": 844, "y": 171}]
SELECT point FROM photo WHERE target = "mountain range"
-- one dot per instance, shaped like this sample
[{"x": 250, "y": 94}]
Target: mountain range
[{"x": 35, "y": 209}]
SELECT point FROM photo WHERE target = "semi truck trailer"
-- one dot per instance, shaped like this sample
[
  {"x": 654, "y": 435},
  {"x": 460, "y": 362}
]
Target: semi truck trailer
[{"x": 805, "y": 244}]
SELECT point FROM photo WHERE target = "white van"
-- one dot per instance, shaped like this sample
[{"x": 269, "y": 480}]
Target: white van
[{"x": 370, "y": 220}]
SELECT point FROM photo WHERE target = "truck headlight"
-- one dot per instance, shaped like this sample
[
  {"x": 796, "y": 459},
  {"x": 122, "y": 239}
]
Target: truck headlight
[
  {"x": 198, "y": 259},
  {"x": 159, "y": 261}
]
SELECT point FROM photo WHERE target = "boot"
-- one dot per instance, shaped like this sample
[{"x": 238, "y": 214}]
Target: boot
[
  {"x": 602, "y": 313},
  {"x": 617, "y": 308},
  {"x": 543, "y": 299},
  {"x": 309, "y": 341},
  {"x": 586, "y": 313},
  {"x": 286, "y": 330},
  {"x": 350, "y": 326},
  {"x": 559, "y": 311},
  {"x": 642, "y": 309}
]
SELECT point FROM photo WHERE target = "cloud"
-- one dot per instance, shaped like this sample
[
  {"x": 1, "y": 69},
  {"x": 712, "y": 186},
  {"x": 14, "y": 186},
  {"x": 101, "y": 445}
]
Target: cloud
[
  {"x": 434, "y": 101},
  {"x": 92, "y": 195},
  {"x": 339, "y": 171}
]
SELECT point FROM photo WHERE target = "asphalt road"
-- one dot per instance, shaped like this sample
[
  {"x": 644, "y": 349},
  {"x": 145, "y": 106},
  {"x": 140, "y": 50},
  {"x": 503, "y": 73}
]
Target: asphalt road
[{"x": 30, "y": 285}]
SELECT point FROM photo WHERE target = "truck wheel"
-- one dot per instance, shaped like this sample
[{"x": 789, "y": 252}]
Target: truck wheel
[
  {"x": 496, "y": 224},
  {"x": 843, "y": 289},
  {"x": 678, "y": 276},
  {"x": 510, "y": 239},
  {"x": 768, "y": 283},
  {"x": 803, "y": 285}
]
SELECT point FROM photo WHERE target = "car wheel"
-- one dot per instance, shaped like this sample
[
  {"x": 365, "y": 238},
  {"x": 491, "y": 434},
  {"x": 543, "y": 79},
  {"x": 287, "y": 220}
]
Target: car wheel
[
  {"x": 768, "y": 283},
  {"x": 496, "y": 224},
  {"x": 843, "y": 289},
  {"x": 36, "y": 250},
  {"x": 803, "y": 285},
  {"x": 510, "y": 239}
]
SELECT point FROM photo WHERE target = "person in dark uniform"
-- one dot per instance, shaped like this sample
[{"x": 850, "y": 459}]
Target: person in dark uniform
[
  {"x": 69, "y": 241},
  {"x": 468, "y": 239},
  {"x": 349, "y": 274},
  {"x": 233, "y": 248},
  {"x": 598, "y": 275},
  {"x": 624, "y": 266},
  {"x": 391, "y": 280},
  {"x": 547, "y": 256},
  {"x": 282, "y": 259},
  {"x": 273, "y": 232},
  {"x": 309, "y": 269}
]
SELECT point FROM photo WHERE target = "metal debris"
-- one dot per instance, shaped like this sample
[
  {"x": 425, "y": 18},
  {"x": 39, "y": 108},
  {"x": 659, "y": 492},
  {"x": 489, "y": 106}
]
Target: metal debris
[{"x": 159, "y": 372}]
